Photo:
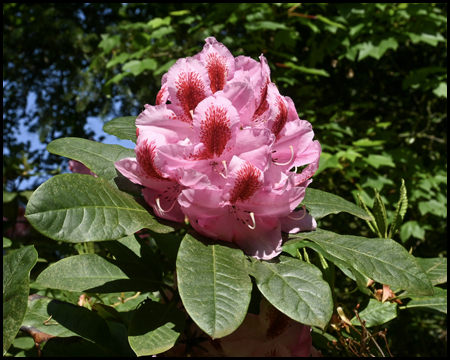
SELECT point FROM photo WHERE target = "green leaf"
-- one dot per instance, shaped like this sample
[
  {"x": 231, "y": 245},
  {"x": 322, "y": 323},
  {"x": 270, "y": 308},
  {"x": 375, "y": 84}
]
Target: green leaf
[
  {"x": 6, "y": 242},
  {"x": 109, "y": 42},
  {"x": 16, "y": 270},
  {"x": 400, "y": 211},
  {"x": 296, "y": 288},
  {"x": 441, "y": 90},
  {"x": 155, "y": 328},
  {"x": 136, "y": 67},
  {"x": 117, "y": 60},
  {"x": 98, "y": 157},
  {"x": 435, "y": 268},
  {"x": 437, "y": 302},
  {"x": 411, "y": 228},
  {"x": 329, "y": 22},
  {"x": 122, "y": 127},
  {"x": 383, "y": 260},
  {"x": 94, "y": 273},
  {"x": 376, "y": 313},
  {"x": 75, "y": 346},
  {"x": 379, "y": 160},
  {"x": 265, "y": 25},
  {"x": 213, "y": 284},
  {"x": 133, "y": 249},
  {"x": 62, "y": 319},
  {"x": 368, "y": 142},
  {"x": 320, "y": 204},
  {"x": 169, "y": 245},
  {"x": 304, "y": 69},
  {"x": 78, "y": 208},
  {"x": 157, "y": 22},
  {"x": 8, "y": 196},
  {"x": 379, "y": 213}
]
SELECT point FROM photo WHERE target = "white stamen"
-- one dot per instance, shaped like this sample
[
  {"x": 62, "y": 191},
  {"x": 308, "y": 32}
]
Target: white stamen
[
  {"x": 192, "y": 113},
  {"x": 292, "y": 156},
  {"x": 252, "y": 215},
  {"x": 159, "y": 206},
  {"x": 226, "y": 169},
  {"x": 304, "y": 214}
]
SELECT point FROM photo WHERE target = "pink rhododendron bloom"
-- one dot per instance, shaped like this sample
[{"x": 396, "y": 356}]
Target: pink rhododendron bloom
[
  {"x": 79, "y": 168},
  {"x": 271, "y": 333},
  {"x": 222, "y": 147}
]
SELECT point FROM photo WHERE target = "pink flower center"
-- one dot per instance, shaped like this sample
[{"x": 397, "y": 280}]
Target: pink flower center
[
  {"x": 145, "y": 155},
  {"x": 214, "y": 132},
  {"x": 247, "y": 183},
  {"x": 281, "y": 117},
  {"x": 191, "y": 90},
  {"x": 217, "y": 71}
]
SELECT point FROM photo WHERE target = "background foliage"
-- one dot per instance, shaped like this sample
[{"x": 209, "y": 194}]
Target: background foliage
[{"x": 371, "y": 78}]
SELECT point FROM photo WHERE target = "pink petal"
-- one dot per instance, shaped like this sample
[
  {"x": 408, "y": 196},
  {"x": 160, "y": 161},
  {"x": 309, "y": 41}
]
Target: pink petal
[
  {"x": 215, "y": 123},
  {"x": 242, "y": 98},
  {"x": 78, "y": 167},
  {"x": 309, "y": 171},
  {"x": 219, "y": 63},
  {"x": 168, "y": 207},
  {"x": 261, "y": 94},
  {"x": 163, "y": 120},
  {"x": 278, "y": 112},
  {"x": 188, "y": 84},
  {"x": 298, "y": 221},
  {"x": 255, "y": 146}
]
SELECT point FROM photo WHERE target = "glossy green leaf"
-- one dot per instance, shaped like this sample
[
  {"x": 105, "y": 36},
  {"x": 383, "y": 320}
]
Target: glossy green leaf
[
  {"x": 213, "y": 284},
  {"x": 6, "y": 242},
  {"x": 62, "y": 319},
  {"x": 155, "y": 328},
  {"x": 122, "y": 127},
  {"x": 320, "y": 204},
  {"x": 376, "y": 313},
  {"x": 98, "y": 157},
  {"x": 330, "y": 22},
  {"x": 16, "y": 271},
  {"x": 8, "y": 196},
  {"x": 296, "y": 288},
  {"x": 382, "y": 260},
  {"x": 437, "y": 302},
  {"x": 377, "y": 161},
  {"x": 79, "y": 208},
  {"x": 307, "y": 70},
  {"x": 93, "y": 273},
  {"x": 133, "y": 249},
  {"x": 435, "y": 268},
  {"x": 169, "y": 245}
]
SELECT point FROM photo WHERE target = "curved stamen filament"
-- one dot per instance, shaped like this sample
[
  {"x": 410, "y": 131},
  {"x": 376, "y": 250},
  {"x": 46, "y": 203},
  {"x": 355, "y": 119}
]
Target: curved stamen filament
[
  {"x": 292, "y": 157},
  {"x": 252, "y": 215},
  {"x": 304, "y": 214},
  {"x": 160, "y": 208},
  {"x": 226, "y": 169}
]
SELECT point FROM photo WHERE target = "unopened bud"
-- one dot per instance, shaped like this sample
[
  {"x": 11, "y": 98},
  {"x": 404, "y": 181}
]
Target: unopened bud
[{"x": 343, "y": 316}]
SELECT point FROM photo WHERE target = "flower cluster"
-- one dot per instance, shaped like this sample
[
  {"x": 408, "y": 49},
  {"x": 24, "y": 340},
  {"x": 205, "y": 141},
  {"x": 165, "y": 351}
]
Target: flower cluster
[{"x": 222, "y": 147}]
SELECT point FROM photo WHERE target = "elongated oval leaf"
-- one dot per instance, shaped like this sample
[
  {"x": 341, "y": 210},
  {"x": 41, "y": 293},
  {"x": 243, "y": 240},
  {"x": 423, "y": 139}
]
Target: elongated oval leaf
[
  {"x": 296, "y": 288},
  {"x": 435, "y": 268},
  {"x": 66, "y": 320},
  {"x": 122, "y": 127},
  {"x": 79, "y": 208},
  {"x": 213, "y": 284},
  {"x": 382, "y": 260},
  {"x": 16, "y": 270},
  {"x": 96, "y": 156},
  {"x": 379, "y": 212},
  {"x": 321, "y": 203},
  {"x": 154, "y": 328},
  {"x": 93, "y": 273},
  {"x": 438, "y": 302},
  {"x": 376, "y": 313}
]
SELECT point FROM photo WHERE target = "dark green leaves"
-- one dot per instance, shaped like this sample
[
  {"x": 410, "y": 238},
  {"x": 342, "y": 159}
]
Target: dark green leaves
[
  {"x": 162, "y": 326},
  {"x": 93, "y": 273},
  {"x": 96, "y": 156},
  {"x": 382, "y": 260},
  {"x": 376, "y": 313},
  {"x": 213, "y": 284},
  {"x": 320, "y": 204},
  {"x": 296, "y": 288},
  {"x": 79, "y": 208},
  {"x": 437, "y": 302},
  {"x": 16, "y": 270},
  {"x": 435, "y": 268},
  {"x": 122, "y": 127}
]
